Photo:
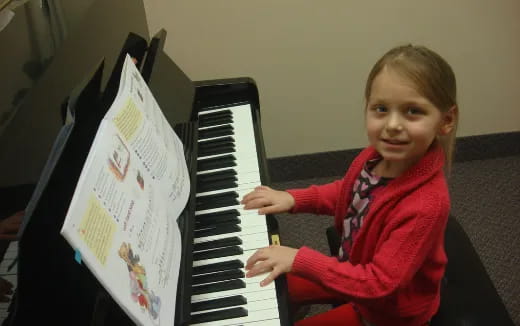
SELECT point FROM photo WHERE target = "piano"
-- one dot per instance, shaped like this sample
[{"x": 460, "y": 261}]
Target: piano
[{"x": 219, "y": 123}]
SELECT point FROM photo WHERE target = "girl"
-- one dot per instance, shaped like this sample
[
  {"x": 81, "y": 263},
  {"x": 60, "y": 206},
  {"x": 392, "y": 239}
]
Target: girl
[{"x": 390, "y": 208}]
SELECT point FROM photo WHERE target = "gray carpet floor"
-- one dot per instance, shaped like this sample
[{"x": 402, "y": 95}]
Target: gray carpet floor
[{"x": 485, "y": 200}]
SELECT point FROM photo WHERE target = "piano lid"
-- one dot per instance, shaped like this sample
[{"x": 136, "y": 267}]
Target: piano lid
[{"x": 170, "y": 86}]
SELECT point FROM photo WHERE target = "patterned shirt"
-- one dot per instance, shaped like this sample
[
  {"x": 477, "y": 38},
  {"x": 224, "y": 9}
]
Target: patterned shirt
[{"x": 358, "y": 208}]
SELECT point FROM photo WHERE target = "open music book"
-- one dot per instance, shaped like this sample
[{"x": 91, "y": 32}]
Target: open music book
[{"x": 122, "y": 219}]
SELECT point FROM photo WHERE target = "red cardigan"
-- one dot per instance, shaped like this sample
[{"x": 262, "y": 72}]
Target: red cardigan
[{"x": 397, "y": 261}]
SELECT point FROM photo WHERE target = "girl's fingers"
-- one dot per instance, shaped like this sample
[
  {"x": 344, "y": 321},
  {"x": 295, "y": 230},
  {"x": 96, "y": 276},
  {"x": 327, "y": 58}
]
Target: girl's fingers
[
  {"x": 271, "y": 277},
  {"x": 259, "y": 256},
  {"x": 269, "y": 210},
  {"x": 259, "y": 191},
  {"x": 258, "y": 203},
  {"x": 259, "y": 268},
  {"x": 255, "y": 203},
  {"x": 11, "y": 227},
  {"x": 252, "y": 196},
  {"x": 7, "y": 237},
  {"x": 251, "y": 261}
]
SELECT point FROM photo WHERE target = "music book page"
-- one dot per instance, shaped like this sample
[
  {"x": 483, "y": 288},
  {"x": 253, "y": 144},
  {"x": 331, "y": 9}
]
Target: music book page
[{"x": 123, "y": 216}]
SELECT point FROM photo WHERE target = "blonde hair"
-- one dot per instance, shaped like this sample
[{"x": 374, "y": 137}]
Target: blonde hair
[{"x": 433, "y": 78}]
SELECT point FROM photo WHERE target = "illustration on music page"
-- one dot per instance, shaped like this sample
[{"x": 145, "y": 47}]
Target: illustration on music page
[
  {"x": 138, "y": 286},
  {"x": 119, "y": 159}
]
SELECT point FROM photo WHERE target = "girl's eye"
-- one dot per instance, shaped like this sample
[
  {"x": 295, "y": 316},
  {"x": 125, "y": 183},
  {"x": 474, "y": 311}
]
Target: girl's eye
[
  {"x": 414, "y": 111},
  {"x": 380, "y": 109}
]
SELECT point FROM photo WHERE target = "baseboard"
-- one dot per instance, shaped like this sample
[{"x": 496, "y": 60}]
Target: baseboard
[{"x": 335, "y": 163}]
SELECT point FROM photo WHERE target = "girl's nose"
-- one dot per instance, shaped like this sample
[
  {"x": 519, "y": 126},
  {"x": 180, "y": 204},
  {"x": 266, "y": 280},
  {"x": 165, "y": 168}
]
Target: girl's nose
[{"x": 394, "y": 122}]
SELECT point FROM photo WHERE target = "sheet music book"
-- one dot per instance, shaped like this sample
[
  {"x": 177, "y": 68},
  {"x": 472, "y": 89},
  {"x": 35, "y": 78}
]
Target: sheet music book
[{"x": 122, "y": 218}]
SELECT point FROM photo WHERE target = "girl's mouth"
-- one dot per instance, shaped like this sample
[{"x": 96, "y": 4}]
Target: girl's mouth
[{"x": 394, "y": 142}]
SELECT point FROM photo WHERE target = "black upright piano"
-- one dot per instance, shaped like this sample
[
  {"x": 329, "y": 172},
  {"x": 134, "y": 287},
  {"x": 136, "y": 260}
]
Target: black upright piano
[{"x": 218, "y": 122}]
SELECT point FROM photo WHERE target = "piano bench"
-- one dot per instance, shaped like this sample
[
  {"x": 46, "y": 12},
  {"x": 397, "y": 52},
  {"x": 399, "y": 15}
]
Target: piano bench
[{"x": 468, "y": 296}]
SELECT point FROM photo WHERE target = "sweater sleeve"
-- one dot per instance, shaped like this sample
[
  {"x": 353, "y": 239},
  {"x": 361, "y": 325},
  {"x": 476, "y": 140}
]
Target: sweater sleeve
[
  {"x": 317, "y": 199},
  {"x": 393, "y": 265}
]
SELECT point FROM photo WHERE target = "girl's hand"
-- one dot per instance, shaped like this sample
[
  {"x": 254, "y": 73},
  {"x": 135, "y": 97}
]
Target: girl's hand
[
  {"x": 6, "y": 289},
  {"x": 274, "y": 259},
  {"x": 269, "y": 201},
  {"x": 10, "y": 225}
]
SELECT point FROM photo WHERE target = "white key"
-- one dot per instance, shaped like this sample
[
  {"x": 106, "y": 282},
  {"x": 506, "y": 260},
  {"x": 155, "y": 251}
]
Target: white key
[
  {"x": 241, "y": 191},
  {"x": 245, "y": 161},
  {"x": 250, "y": 241},
  {"x": 250, "y": 296},
  {"x": 257, "y": 229},
  {"x": 251, "y": 287},
  {"x": 249, "y": 306},
  {"x": 254, "y": 316},
  {"x": 244, "y": 188},
  {"x": 242, "y": 257},
  {"x": 239, "y": 208},
  {"x": 270, "y": 322},
  {"x": 251, "y": 168}
]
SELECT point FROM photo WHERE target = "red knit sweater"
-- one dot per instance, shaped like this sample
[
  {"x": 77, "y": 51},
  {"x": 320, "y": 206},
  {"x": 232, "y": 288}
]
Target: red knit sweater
[{"x": 397, "y": 260}]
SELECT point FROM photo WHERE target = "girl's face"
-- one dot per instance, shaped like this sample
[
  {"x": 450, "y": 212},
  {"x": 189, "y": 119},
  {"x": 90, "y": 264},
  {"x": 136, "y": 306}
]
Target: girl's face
[{"x": 401, "y": 124}]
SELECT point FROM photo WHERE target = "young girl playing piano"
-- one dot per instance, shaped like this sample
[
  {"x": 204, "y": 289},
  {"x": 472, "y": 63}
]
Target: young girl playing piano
[{"x": 390, "y": 208}]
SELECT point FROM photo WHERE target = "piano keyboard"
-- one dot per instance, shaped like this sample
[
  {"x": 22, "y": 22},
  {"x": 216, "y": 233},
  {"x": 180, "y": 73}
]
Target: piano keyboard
[
  {"x": 225, "y": 235},
  {"x": 8, "y": 272}
]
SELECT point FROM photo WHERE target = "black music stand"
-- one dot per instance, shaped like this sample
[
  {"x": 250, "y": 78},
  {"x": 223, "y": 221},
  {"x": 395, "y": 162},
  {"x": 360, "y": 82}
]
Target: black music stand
[{"x": 51, "y": 282}]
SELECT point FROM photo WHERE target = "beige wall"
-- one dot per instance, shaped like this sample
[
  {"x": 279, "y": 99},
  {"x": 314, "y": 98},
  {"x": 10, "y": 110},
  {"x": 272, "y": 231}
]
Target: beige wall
[{"x": 310, "y": 58}]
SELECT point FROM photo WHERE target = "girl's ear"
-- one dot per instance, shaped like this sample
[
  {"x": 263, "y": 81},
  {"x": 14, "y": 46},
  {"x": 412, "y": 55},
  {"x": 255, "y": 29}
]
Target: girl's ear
[{"x": 449, "y": 120}]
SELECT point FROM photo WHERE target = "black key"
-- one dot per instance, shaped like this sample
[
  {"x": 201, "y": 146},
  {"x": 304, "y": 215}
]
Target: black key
[
  {"x": 235, "y": 300},
  {"x": 216, "y": 253},
  {"x": 208, "y": 179},
  {"x": 218, "y": 315},
  {"x": 217, "y": 175},
  {"x": 216, "y": 267},
  {"x": 215, "y": 121},
  {"x": 218, "y": 114},
  {"x": 217, "y": 197},
  {"x": 224, "y": 161},
  {"x": 224, "y": 202},
  {"x": 217, "y": 185},
  {"x": 220, "y": 229},
  {"x": 210, "y": 222},
  {"x": 229, "y": 212},
  {"x": 224, "y": 199},
  {"x": 222, "y": 149},
  {"x": 215, "y": 118},
  {"x": 225, "y": 130},
  {"x": 218, "y": 217},
  {"x": 231, "y": 241},
  {"x": 217, "y": 277},
  {"x": 218, "y": 287},
  {"x": 215, "y": 142},
  {"x": 216, "y": 179}
]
